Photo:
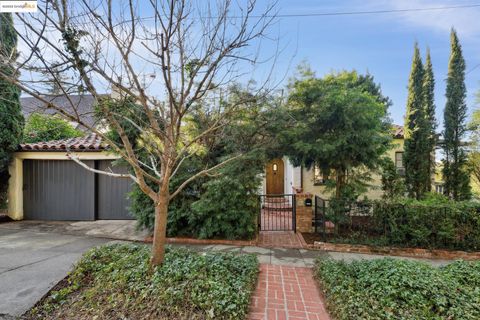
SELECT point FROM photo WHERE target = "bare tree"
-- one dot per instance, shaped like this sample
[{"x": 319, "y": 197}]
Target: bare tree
[{"x": 188, "y": 50}]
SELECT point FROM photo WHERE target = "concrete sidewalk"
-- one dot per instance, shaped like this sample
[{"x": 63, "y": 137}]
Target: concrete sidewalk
[
  {"x": 298, "y": 257},
  {"x": 107, "y": 229}
]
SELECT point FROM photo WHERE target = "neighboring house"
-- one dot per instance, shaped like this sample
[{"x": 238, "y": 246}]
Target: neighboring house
[
  {"x": 439, "y": 183},
  {"x": 83, "y": 105},
  {"x": 45, "y": 184},
  {"x": 281, "y": 177}
]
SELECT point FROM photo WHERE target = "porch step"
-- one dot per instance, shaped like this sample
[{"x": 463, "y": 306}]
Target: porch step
[
  {"x": 276, "y": 206},
  {"x": 276, "y": 199}
]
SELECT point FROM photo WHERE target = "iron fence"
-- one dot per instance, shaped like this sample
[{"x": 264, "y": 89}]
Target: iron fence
[
  {"x": 452, "y": 226},
  {"x": 320, "y": 219}
]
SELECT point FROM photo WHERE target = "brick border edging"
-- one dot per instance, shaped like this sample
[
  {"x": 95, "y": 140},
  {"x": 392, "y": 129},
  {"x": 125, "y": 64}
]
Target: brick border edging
[
  {"x": 304, "y": 243},
  {"x": 395, "y": 251},
  {"x": 207, "y": 241}
]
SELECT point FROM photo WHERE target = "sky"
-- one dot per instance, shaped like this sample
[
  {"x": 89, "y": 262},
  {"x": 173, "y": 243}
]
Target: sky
[{"x": 381, "y": 44}]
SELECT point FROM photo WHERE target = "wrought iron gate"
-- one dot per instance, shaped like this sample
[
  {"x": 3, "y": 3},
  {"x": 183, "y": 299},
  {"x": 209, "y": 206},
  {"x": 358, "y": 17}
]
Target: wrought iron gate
[
  {"x": 277, "y": 212},
  {"x": 319, "y": 218}
]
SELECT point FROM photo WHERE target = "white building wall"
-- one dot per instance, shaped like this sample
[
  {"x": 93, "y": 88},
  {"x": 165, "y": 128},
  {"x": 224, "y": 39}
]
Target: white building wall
[
  {"x": 297, "y": 177},
  {"x": 288, "y": 174},
  {"x": 293, "y": 176}
]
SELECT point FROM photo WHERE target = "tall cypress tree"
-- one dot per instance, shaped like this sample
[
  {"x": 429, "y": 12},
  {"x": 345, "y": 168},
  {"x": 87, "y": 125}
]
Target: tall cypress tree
[
  {"x": 429, "y": 108},
  {"x": 11, "y": 119},
  {"x": 455, "y": 173},
  {"x": 417, "y": 175}
]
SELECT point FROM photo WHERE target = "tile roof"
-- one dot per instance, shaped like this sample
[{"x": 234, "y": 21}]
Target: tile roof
[
  {"x": 398, "y": 132},
  {"x": 91, "y": 142}
]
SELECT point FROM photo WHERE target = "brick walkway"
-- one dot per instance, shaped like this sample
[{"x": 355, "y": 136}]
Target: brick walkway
[
  {"x": 285, "y": 292},
  {"x": 284, "y": 239}
]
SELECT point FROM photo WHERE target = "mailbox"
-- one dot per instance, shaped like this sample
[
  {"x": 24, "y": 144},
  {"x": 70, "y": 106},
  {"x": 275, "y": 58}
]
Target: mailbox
[{"x": 308, "y": 202}]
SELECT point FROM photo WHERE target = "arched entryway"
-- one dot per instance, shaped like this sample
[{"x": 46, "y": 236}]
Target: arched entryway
[{"x": 275, "y": 171}]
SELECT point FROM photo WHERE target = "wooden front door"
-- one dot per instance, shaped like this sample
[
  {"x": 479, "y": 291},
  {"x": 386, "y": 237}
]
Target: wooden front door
[{"x": 275, "y": 177}]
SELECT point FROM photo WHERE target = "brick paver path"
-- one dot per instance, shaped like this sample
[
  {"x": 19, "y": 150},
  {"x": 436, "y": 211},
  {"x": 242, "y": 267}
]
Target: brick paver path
[
  {"x": 283, "y": 239},
  {"x": 285, "y": 292}
]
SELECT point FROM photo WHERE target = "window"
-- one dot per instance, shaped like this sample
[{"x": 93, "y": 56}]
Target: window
[
  {"x": 319, "y": 177},
  {"x": 399, "y": 163},
  {"x": 439, "y": 188},
  {"x": 399, "y": 160}
]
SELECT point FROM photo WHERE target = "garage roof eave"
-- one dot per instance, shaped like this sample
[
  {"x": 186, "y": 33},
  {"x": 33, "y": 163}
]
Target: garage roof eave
[{"x": 63, "y": 155}]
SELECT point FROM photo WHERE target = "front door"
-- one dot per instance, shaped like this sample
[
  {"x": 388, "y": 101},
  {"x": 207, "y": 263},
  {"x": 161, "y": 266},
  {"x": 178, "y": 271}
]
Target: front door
[{"x": 275, "y": 177}]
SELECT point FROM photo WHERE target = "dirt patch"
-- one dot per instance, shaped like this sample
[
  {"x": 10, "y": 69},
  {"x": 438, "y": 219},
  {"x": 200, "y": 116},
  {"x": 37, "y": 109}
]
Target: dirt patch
[
  {"x": 4, "y": 218},
  {"x": 310, "y": 238}
]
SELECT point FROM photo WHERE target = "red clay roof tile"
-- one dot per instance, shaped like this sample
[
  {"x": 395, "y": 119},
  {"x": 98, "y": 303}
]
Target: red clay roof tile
[
  {"x": 398, "y": 132},
  {"x": 91, "y": 142}
]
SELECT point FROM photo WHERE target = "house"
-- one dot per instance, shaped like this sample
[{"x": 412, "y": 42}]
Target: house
[
  {"x": 281, "y": 177},
  {"x": 45, "y": 184},
  {"x": 81, "y": 104}
]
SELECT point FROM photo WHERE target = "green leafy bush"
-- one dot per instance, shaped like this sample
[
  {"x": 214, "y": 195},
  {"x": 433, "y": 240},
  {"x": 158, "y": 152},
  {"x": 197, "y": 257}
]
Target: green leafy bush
[
  {"x": 115, "y": 282},
  {"x": 229, "y": 206},
  {"x": 400, "y": 289},
  {"x": 432, "y": 223},
  {"x": 225, "y": 206},
  {"x": 41, "y": 127}
]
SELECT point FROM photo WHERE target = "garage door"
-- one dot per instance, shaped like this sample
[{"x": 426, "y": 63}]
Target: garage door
[
  {"x": 112, "y": 193},
  {"x": 63, "y": 190},
  {"x": 58, "y": 190}
]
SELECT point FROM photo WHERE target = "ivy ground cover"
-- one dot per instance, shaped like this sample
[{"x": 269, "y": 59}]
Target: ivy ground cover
[
  {"x": 116, "y": 282},
  {"x": 400, "y": 289}
]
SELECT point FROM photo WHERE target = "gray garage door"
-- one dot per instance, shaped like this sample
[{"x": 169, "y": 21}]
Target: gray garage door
[
  {"x": 112, "y": 193},
  {"x": 63, "y": 190},
  {"x": 58, "y": 190}
]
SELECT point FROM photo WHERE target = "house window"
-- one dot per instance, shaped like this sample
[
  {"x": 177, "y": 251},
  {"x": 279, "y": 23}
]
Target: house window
[
  {"x": 399, "y": 160},
  {"x": 399, "y": 163},
  {"x": 319, "y": 176},
  {"x": 439, "y": 188}
]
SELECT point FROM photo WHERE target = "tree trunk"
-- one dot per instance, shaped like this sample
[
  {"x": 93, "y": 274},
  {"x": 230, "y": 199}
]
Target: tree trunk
[
  {"x": 339, "y": 183},
  {"x": 160, "y": 229}
]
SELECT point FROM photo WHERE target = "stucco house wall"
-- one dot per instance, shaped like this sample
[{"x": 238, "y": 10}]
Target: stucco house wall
[{"x": 374, "y": 191}]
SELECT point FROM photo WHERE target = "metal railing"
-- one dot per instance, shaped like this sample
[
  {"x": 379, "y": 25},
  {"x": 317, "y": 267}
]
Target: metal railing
[{"x": 319, "y": 220}]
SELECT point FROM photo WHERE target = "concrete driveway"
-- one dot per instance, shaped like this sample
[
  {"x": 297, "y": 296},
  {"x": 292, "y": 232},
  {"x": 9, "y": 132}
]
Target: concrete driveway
[{"x": 32, "y": 262}]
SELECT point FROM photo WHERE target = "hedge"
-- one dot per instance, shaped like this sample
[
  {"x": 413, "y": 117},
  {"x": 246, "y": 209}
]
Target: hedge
[
  {"x": 433, "y": 223},
  {"x": 451, "y": 225}
]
